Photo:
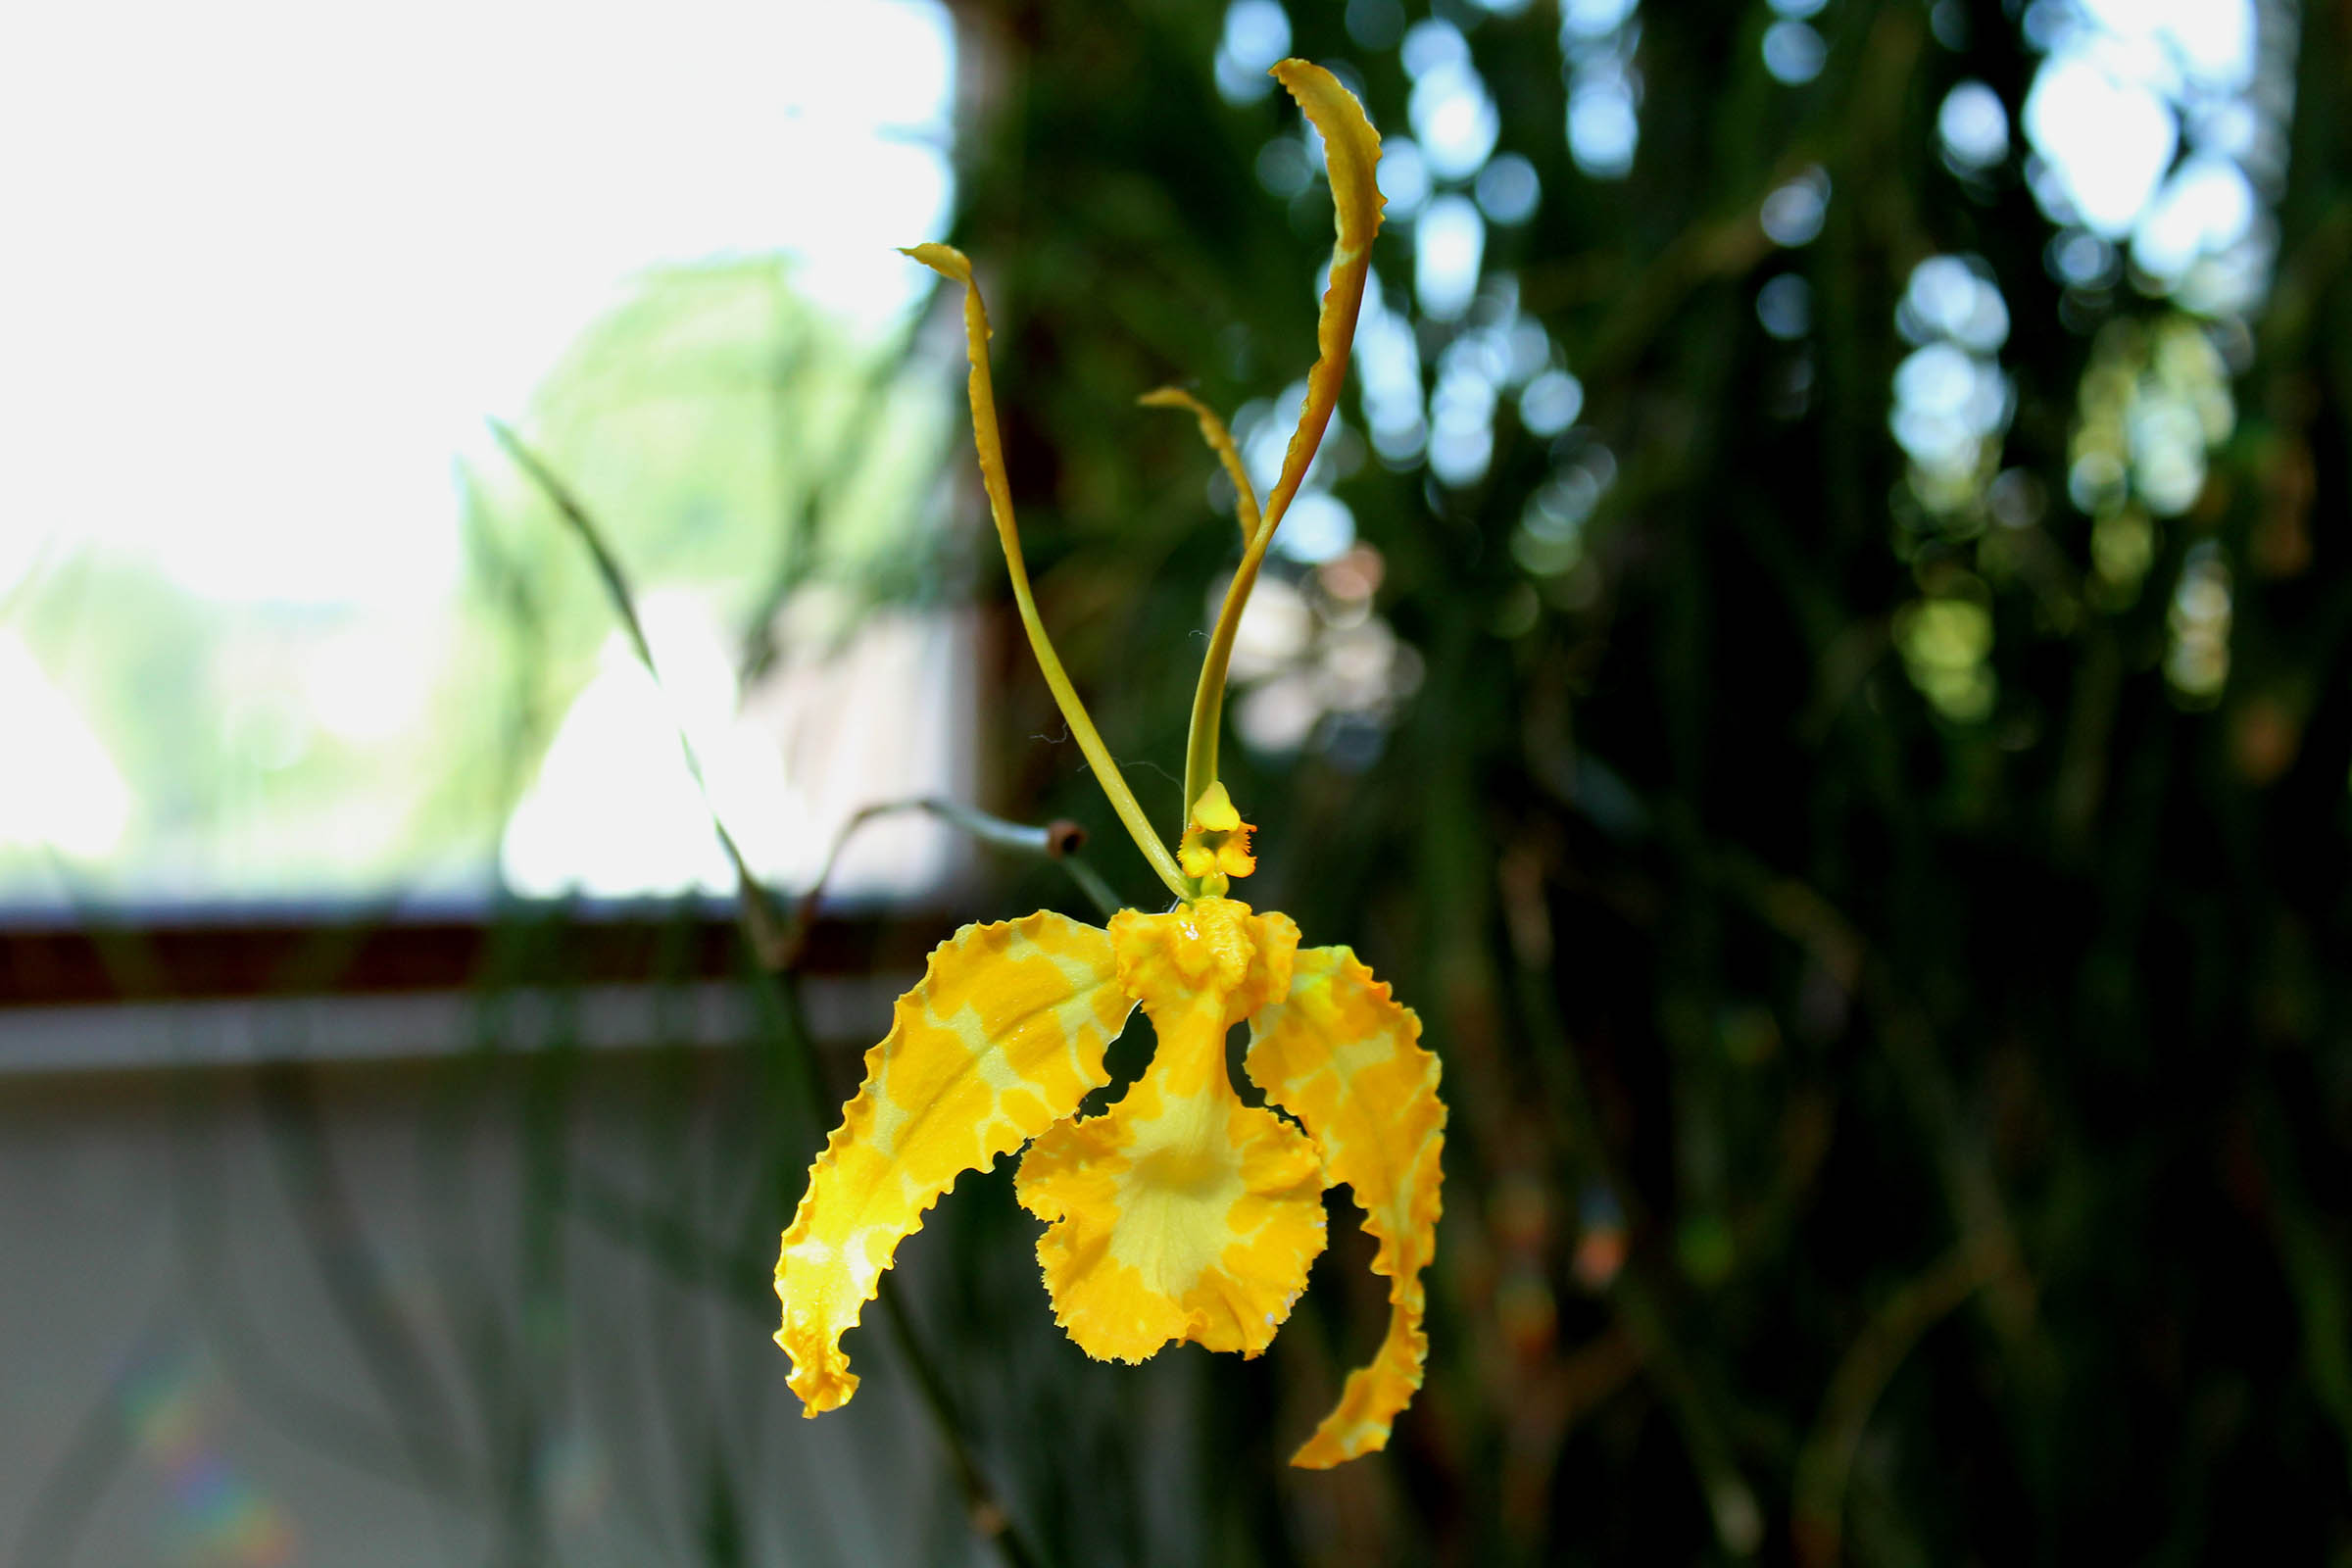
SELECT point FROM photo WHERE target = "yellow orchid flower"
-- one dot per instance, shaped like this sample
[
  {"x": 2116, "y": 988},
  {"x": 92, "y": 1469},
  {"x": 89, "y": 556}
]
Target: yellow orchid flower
[{"x": 1180, "y": 1213}]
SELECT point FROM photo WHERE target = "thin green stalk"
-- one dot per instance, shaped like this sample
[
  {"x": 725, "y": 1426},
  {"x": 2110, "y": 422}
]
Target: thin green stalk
[
  {"x": 1056, "y": 841},
  {"x": 1208, "y": 698},
  {"x": 1090, "y": 882},
  {"x": 766, "y": 933},
  {"x": 989, "y": 1520},
  {"x": 1826, "y": 1464}
]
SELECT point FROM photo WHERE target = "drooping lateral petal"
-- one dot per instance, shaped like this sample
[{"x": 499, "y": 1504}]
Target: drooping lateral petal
[
  {"x": 1345, "y": 1059},
  {"x": 1002, "y": 1039},
  {"x": 1181, "y": 1213},
  {"x": 1352, "y": 154}
]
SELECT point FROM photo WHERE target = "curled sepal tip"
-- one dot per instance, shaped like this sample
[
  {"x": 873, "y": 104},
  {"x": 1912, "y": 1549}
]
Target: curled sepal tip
[
  {"x": 1001, "y": 1040},
  {"x": 1342, "y": 1056},
  {"x": 945, "y": 260},
  {"x": 1351, "y": 155}
]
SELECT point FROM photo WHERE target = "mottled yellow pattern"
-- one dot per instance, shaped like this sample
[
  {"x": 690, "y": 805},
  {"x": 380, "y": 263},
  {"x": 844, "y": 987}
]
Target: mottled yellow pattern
[
  {"x": 1346, "y": 1059},
  {"x": 1181, "y": 1213},
  {"x": 1002, "y": 1039}
]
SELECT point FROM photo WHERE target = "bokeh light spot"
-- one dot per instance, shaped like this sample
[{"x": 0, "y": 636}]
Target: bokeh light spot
[
  {"x": 1507, "y": 189},
  {"x": 1793, "y": 52},
  {"x": 1784, "y": 307},
  {"x": 1449, "y": 248},
  {"x": 1792, "y": 213},
  {"x": 1550, "y": 403},
  {"x": 1974, "y": 127}
]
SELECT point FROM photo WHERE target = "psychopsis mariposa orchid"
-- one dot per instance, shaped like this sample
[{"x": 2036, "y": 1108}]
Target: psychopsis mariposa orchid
[{"x": 1180, "y": 1213}]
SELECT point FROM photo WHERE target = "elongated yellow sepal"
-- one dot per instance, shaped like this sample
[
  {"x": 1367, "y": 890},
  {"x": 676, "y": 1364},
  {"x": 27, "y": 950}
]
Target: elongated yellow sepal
[
  {"x": 1352, "y": 154},
  {"x": 1220, "y": 442},
  {"x": 1002, "y": 1039},
  {"x": 1345, "y": 1059},
  {"x": 953, "y": 265},
  {"x": 1181, "y": 1213}
]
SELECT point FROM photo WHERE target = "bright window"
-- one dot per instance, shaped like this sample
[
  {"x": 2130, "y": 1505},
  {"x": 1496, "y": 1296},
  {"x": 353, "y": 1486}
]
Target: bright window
[{"x": 278, "y": 619}]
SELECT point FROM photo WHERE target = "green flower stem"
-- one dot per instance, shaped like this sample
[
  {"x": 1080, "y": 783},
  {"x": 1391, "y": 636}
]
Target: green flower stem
[{"x": 1208, "y": 698}]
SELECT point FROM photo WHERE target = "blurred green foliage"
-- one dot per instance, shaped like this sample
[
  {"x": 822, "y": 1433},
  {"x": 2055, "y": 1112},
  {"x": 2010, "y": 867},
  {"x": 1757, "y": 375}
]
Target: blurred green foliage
[
  {"x": 739, "y": 446},
  {"x": 1838, "y": 881}
]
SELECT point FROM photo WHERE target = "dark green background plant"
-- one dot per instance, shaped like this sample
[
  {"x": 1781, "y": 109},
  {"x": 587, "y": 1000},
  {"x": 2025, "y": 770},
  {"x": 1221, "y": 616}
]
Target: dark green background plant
[{"x": 1977, "y": 1091}]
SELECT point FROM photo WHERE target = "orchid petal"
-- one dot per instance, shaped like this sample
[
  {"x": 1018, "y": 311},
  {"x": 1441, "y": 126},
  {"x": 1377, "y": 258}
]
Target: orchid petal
[
  {"x": 1181, "y": 1213},
  {"x": 1343, "y": 1057},
  {"x": 1002, "y": 1039}
]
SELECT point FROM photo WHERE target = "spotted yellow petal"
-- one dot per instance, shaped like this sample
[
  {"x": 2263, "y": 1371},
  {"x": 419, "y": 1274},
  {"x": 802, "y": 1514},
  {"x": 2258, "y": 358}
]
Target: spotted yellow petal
[
  {"x": 1181, "y": 1213},
  {"x": 1003, "y": 1038},
  {"x": 1346, "y": 1059}
]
